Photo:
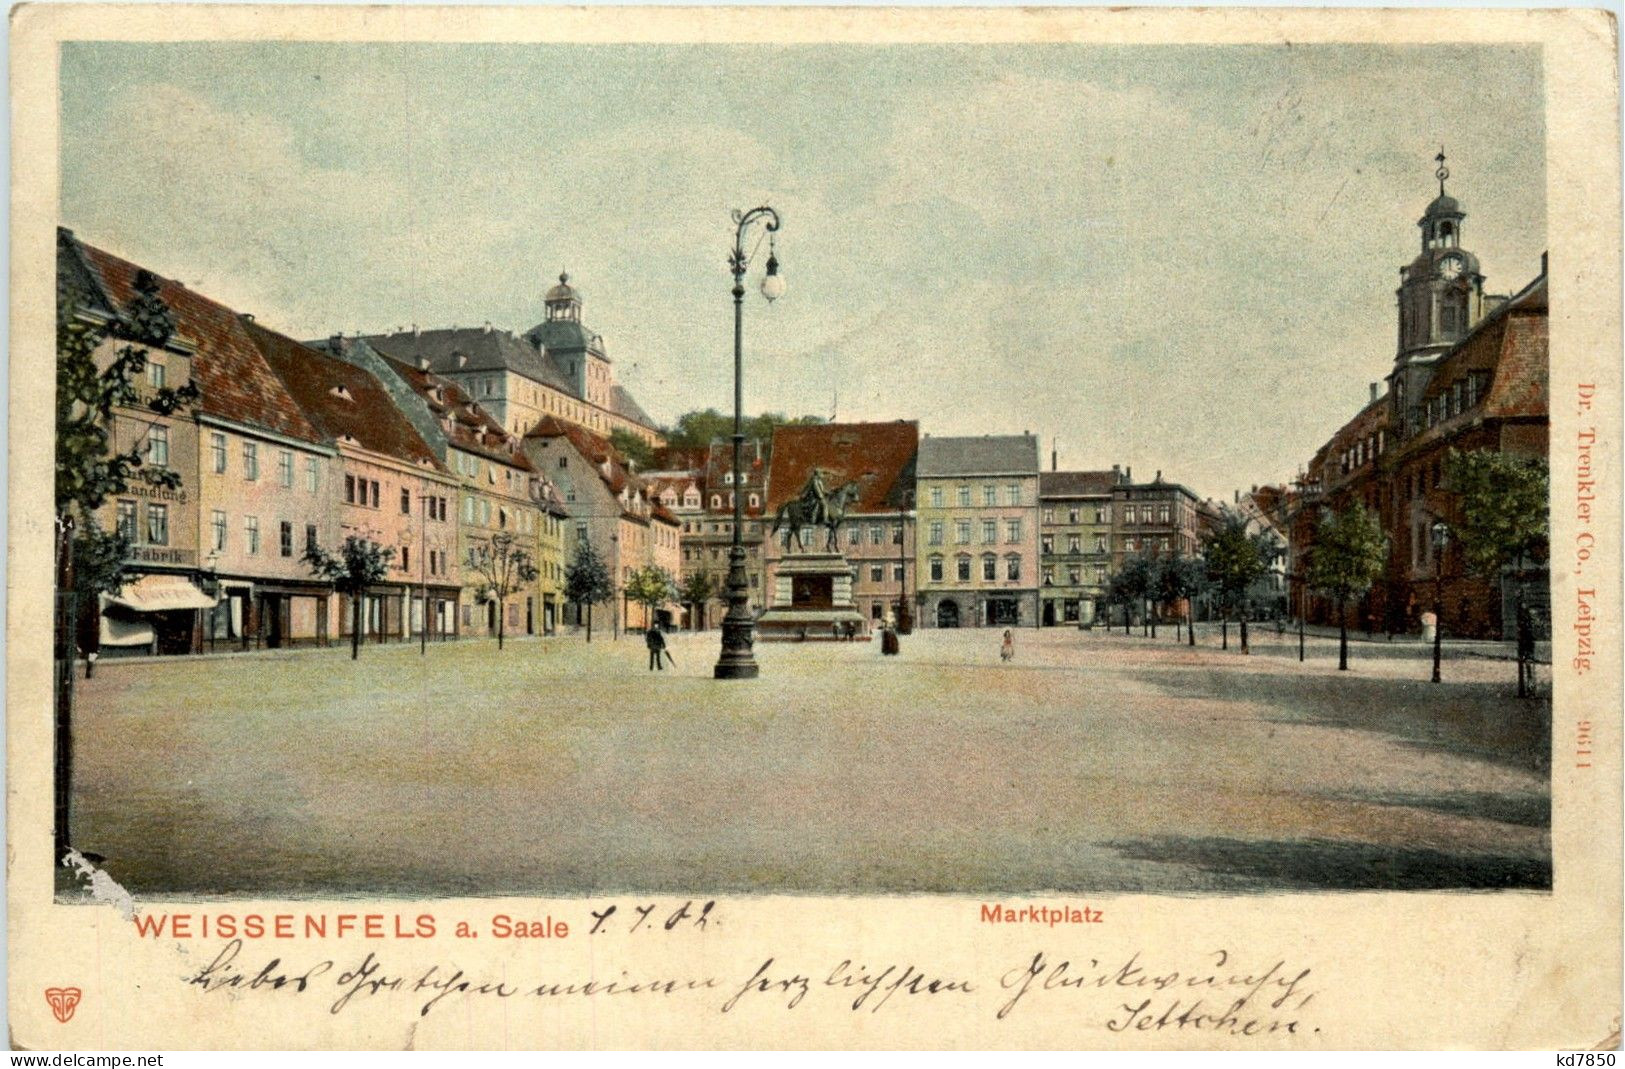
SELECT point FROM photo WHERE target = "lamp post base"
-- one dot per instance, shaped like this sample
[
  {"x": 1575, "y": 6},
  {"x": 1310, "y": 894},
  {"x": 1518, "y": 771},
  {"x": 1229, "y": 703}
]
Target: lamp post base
[{"x": 736, "y": 670}]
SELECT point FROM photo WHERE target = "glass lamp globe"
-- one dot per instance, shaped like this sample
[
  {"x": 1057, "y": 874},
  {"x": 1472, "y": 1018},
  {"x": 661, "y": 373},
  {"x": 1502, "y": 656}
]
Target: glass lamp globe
[{"x": 773, "y": 282}]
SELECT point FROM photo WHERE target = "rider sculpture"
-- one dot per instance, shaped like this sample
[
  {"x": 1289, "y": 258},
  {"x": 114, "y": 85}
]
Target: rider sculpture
[{"x": 816, "y": 505}]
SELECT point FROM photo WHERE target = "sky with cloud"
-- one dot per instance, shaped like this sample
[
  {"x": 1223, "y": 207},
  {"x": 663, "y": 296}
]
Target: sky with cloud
[{"x": 1170, "y": 257}]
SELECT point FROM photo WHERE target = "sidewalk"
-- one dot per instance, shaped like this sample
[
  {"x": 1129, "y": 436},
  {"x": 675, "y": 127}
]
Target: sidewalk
[{"x": 337, "y": 646}]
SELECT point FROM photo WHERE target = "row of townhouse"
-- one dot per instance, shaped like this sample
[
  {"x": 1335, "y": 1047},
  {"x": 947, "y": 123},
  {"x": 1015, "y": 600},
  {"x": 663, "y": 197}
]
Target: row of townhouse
[
  {"x": 292, "y": 447},
  {"x": 948, "y": 531}
]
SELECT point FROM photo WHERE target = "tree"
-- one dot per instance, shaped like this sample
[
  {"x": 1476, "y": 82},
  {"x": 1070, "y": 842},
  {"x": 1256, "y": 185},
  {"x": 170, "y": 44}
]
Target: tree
[
  {"x": 586, "y": 580},
  {"x": 1348, "y": 554},
  {"x": 1236, "y": 559},
  {"x": 88, "y": 472},
  {"x": 699, "y": 428},
  {"x": 360, "y": 564},
  {"x": 1182, "y": 579},
  {"x": 696, "y": 591},
  {"x": 504, "y": 569},
  {"x": 1503, "y": 521},
  {"x": 633, "y": 448},
  {"x": 1131, "y": 584},
  {"x": 652, "y": 587}
]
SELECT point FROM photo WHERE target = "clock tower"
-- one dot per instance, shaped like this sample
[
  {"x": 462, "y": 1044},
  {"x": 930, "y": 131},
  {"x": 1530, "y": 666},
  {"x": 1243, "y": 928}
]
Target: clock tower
[{"x": 1441, "y": 297}]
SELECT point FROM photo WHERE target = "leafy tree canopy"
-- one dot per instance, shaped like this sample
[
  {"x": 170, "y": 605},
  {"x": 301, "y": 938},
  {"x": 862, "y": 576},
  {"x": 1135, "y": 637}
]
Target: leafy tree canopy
[
  {"x": 359, "y": 564},
  {"x": 1348, "y": 554},
  {"x": 697, "y": 588},
  {"x": 697, "y": 429},
  {"x": 1503, "y": 515},
  {"x": 633, "y": 448},
  {"x": 586, "y": 579},
  {"x": 1236, "y": 558},
  {"x": 652, "y": 586}
]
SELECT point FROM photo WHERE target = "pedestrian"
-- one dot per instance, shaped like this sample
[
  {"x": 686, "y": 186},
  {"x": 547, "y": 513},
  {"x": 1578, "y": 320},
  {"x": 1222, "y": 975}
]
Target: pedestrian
[
  {"x": 1007, "y": 652},
  {"x": 657, "y": 646}
]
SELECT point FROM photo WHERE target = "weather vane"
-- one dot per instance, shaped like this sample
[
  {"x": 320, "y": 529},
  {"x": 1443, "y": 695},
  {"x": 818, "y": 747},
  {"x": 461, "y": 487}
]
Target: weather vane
[{"x": 1443, "y": 172}]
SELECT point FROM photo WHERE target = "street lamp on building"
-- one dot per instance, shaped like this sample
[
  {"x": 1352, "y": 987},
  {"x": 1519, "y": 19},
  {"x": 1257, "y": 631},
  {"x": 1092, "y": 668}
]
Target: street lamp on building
[
  {"x": 1441, "y": 538},
  {"x": 738, "y": 628}
]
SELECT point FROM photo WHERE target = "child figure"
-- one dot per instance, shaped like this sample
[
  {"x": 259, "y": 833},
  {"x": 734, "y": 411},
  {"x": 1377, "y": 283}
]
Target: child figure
[{"x": 1008, "y": 650}]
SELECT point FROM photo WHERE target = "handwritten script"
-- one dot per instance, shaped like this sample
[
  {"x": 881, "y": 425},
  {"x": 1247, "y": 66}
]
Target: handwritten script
[{"x": 1213, "y": 992}]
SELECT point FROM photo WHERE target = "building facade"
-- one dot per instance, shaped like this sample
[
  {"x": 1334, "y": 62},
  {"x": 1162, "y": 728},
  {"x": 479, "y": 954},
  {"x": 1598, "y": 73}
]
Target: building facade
[
  {"x": 1469, "y": 374},
  {"x": 1075, "y": 544},
  {"x": 977, "y": 541}
]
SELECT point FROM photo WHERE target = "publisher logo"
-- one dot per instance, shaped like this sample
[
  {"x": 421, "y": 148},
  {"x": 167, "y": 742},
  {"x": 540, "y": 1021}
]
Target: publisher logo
[{"x": 63, "y": 1000}]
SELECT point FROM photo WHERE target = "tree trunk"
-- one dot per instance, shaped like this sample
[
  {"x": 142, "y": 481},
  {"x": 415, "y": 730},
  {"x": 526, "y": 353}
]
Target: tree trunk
[
  {"x": 501, "y": 621},
  {"x": 1151, "y": 614},
  {"x": 1244, "y": 647},
  {"x": 589, "y": 620},
  {"x": 1224, "y": 643},
  {"x": 1190, "y": 624},
  {"x": 1343, "y": 638},
  {"x": 355, "y": 626}
]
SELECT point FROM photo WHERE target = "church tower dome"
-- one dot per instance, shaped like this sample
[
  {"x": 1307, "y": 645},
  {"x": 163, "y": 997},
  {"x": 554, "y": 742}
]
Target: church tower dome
[{"x": 1440, "y": 297}]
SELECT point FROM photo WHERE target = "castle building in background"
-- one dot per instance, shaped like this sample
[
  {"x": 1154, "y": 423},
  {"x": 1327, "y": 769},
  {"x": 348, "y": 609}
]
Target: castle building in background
[
  {"x": 977, "y": 541},
  {"x": 559, "y": 368}
]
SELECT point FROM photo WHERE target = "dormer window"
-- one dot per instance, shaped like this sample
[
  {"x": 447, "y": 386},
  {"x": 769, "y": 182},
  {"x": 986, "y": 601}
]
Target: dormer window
[{"x": 342, "y": 392}]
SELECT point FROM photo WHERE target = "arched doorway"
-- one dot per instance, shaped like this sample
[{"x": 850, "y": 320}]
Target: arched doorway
[{"x": 948, "y": 614}]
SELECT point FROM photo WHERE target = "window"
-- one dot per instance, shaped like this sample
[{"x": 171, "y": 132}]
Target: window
[
  {"x": 158, "y": 447},
  {"x": 406, "y": 502},
  {"x": 1100, "y": 543},
  {"x": 1049, "y": 515},
  {"x": 1072, "y": 515},
  {"x": 312, "y": 477},
  {"x": 406, "y": 558},
  {"x": 126, "y": 520},
  {"x": 1100, "y": 574},
  {"x": 1074, "y": 575},
  {"x": 217, "y": 522},
  {"x": 155, "y": 374},
  {"x": 936, "y": 569},
  {"x": 990, "y": 567},
  {"x": 962, "y": 568},
  {"x": 251, "y": 461},
  {"x": 990, "y": 495},
  {"x": 716, "y": 501},
  {"x": 349, "y": 489},
  {"x": 877, "y": 573},
  {"x": 1100, "y": 514},
  {"x": 310, "y": 537},
  {"x": 284, "y": 467},
  {"x": 1049, "y": 574},
  {"x": 964, "y": 497},
  {"x": 1012, "y": 568},
  {"x": 1047, "y": 544},
  {"x": 251, "y": 531},
  {"x": 755, "y": 501},
  {"x": 990, "y": 530},
  {"x": 285, "y": 539},
  {"x": 1074, "y": 543},
  {"x": 877, "y": 534},
  {"x": 1128, "y": 544},
  {"x": 1012, "y": 495},
  {"x": 158, "y": 524},
  {"x": 1162, "y": 514},
  {"x": 936, "y": 497},
  {"x": 1012, "y": 530},
  {"x": 217, "y": 449},
  {"x": 897, "y": 573},
  {"x": 962, "y": 531},
  {"x": 1128, "y": 514},
  {"x": 374, "y": 485},
  {"x": 935, "y": 537}
]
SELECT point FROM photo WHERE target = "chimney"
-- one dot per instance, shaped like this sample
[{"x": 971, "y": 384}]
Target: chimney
[
  {"x": 415, "y": 331},
  {"x": 487, "y": 328},
  {"x": 1238, "y": 497},
  {"x": 335, "y": 342},
  {"x": 1158, "y": 479},
  {"x": 1054, "y": 457},
  {"x": 1128, "y": 473},
  {"x": 1373, "y": 393},
  {"x": 423, "y": 363}
]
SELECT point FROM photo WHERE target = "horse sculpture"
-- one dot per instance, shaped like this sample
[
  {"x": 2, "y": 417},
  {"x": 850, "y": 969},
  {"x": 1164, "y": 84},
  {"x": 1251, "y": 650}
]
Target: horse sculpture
[{"x": 814, "y": 506}]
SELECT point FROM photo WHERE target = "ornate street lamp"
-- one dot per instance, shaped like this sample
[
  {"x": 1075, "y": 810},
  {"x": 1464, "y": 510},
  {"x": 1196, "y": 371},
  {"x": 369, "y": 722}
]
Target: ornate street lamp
[
  {"x": 1441, "y": 538},
  {"x": 738, "y": 628}
]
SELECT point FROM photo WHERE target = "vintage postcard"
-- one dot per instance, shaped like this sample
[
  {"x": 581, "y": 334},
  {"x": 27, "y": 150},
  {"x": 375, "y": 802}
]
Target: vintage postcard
[{"x": 732, "y": 528}]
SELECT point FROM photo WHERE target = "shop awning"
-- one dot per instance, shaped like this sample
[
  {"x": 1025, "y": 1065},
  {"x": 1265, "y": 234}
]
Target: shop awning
[
  {"x": 161, "y": 593},
  {"x": 125, "y": 630}
]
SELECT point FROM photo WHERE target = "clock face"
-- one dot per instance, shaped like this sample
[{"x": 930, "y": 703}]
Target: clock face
[{"x": 1450, "y": 268}]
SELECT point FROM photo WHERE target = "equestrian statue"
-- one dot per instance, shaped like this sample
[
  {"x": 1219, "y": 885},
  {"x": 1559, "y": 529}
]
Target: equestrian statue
[{"x": 816, "y": 505}]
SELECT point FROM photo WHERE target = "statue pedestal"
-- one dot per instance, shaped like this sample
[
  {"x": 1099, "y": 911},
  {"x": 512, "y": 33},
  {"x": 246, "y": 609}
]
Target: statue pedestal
[{"x": 812, "y": 601}]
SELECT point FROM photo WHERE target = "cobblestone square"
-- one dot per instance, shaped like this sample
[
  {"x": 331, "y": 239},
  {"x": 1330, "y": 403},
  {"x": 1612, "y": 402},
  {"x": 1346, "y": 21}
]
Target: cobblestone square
[{"x": 1090, "y": 763}]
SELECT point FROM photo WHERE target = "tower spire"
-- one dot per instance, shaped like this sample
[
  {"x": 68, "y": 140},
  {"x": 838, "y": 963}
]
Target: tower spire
[{"x": 1443, "y": 172}]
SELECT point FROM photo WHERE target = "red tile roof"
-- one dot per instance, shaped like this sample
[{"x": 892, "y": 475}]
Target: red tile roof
[
  {"x": 878, "y": 456},
  {"x": 1076, "y": 483},
  {"x": 235, "y": 381},
  {"x": 473, "y": 429},
  {"x": 342, "y": 399}
]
